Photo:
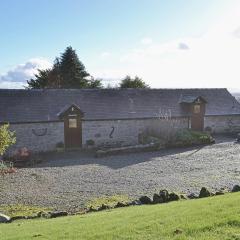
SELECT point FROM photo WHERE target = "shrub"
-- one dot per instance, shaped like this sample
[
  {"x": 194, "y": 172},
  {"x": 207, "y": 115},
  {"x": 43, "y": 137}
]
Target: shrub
[
  {"x": 7, "y": 138},
  {"x": 188, "y": 137},
  {"x": 90, "y": 142},
  {"x": 6, "y": 168},
  {"x": 60, "y": 145}
]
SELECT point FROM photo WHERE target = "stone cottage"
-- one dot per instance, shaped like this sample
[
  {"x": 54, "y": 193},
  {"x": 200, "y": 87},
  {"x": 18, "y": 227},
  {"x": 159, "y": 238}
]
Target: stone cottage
[{"x": 112, "y": 117}]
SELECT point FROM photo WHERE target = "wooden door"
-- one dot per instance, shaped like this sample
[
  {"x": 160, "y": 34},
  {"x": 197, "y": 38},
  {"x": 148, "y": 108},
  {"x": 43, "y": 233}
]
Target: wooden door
[
  {"x": 73, "y": 131},
  {"x": 197, "y": 118}
]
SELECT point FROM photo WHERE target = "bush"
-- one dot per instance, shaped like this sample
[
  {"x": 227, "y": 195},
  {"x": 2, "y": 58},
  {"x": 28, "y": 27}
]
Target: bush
[
  {"x": 7, "y": 138},
  {"x": 6, "y": 167},
  {"x": 60, "y": 145},
  {"x": 188, "y": 137},
  {"x": 90, "y": 142}
]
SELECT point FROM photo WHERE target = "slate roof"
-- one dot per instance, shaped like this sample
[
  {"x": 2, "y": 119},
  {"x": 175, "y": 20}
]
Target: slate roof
[{"x": 45, "y": 105}]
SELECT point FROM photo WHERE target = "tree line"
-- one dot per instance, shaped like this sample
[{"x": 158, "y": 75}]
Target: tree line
[{"x": 69, "y": 72}]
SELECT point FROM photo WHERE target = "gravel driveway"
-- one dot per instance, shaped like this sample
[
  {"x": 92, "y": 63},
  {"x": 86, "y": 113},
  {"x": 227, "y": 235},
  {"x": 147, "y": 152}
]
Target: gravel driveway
[{"x": 69, "y": 180}]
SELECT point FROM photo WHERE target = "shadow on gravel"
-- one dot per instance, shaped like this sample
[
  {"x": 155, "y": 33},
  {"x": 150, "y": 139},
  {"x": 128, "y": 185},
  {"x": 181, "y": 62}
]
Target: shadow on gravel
[{"x": 77, "y": 158}]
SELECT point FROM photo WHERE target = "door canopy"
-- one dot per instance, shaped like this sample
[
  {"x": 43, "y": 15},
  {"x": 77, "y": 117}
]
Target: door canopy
[{"x": 73, "y": 109}]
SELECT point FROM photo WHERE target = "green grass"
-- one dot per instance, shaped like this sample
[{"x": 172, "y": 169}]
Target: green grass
[
  {"x": 210, "y": 218},
  {"x": 109, "y": 201},
  {"x": 21, "y": 210}
]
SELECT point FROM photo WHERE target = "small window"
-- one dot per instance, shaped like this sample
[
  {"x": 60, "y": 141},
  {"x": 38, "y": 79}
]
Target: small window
[
  {"x": 72, "y": 123},
  {"x": 196, "y": 108}
]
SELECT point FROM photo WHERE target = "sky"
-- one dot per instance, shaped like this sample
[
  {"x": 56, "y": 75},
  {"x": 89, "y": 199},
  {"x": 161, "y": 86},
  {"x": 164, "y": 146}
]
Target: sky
[{"x": 168, "y": 43}]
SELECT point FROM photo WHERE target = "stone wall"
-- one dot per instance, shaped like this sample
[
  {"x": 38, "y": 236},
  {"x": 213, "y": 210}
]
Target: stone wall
[
  {"x": 127, "y": 132},
  {"x": 43, "y": 137},
  {"x": 222, "y": 124},
  {"x": 38, "y": 137}
]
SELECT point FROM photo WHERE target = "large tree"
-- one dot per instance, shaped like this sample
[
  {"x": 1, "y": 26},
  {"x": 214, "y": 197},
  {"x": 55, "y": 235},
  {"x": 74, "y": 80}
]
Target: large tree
[
  {"x": 67, "y": 72},
  {"x": 41, "y": 79},
  {"x": 136, "y": 82},
  {"x": 72, "y": 71},
  {"x": 95, "y": 83}
]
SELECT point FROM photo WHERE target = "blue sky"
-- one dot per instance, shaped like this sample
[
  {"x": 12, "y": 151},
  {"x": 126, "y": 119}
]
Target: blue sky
[{"x": 108, "y": 35}]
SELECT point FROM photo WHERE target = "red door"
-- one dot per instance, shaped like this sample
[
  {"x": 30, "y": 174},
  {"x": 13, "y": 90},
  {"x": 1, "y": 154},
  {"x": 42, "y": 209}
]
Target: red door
[
  {"x": 197, "y": 118},
  {"x": 73, "y": 131}
]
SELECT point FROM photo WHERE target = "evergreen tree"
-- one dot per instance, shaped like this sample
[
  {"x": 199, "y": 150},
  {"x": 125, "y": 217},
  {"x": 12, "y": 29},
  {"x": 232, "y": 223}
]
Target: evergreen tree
[
  {"x": 55, "y": 77},
  {"x": 136, "y": 82},
  {"x": 67, "y": 72},
  {"x": 41, "y": 79},
  {"x": 73, "y": 72},
  {"x": 95, "y": 83}
]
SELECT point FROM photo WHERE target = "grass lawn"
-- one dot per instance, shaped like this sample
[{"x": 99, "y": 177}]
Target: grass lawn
[{"x": 209, "y": 218}]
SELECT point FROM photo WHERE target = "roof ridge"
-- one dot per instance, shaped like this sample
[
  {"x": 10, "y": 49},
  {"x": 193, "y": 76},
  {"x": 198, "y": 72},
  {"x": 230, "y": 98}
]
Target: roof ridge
[{"x": 106, "y": 89}]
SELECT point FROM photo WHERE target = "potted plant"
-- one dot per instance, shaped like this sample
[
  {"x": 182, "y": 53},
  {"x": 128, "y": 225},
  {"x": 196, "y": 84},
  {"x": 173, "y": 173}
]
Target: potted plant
[
  {"x": 60, "y": 147},
  {"x": 90, "y": 143}
]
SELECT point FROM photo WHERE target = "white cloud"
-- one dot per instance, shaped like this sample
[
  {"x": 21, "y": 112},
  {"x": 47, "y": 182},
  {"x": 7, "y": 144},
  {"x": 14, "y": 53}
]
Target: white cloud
[
  {"x": 146, "y": 41},
  {"x": 105, "y": 55},
  {"x": 109, "y": 74},
  {"x": 17, "y": 77},
  {"x": 14, "y": 85},
  {"x": 183, "y": 46},
  {"x": 210, "y": 60}
]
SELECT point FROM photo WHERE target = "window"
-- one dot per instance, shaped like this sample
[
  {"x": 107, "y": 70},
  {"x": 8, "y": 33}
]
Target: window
[
  {"x": 196, "y": 109},
  {"x": 72, "y": 123}
]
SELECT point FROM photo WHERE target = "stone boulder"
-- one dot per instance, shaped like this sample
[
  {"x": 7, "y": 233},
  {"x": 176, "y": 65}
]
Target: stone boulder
[
  {"x": 192, "y": 196},
  {"x": 219, "y": 193},
  {"x": 44, "y": 214},
  {"x": 157, "y": 199},
  {"x": 135, "y": 203},
  {"x": 52, "y": 214},
  {"x": 103, "y": 207},
  {"x": 183, "y": 197},
  {"x": 120, "y": 204},
  {"x": 204, "y": 193},
  {"x": 145, "y": 200},
  {"x": 91, "y": 209},
  {"x": 173, "y": 197},
  {"x": 4, "y": 218},
  {"x": 164, "y": 195},
  {"x": 236, "y": 188},
  {"x": 58, "y": 214},
  {"x": 18, "y": 218}
]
